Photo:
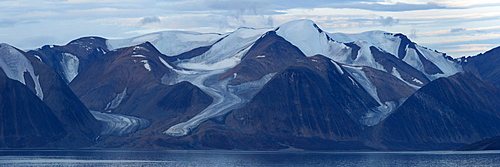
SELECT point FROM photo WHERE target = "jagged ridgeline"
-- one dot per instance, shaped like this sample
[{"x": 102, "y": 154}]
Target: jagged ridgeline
[{"x": 290, "y": 87}]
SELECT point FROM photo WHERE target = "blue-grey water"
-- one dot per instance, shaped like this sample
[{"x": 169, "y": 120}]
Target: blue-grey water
[{"x": 243, "y": 158}]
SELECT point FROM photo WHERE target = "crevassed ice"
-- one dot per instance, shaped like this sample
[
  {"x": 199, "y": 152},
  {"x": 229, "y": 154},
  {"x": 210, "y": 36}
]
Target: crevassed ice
[{"x": 119, "y": 125}]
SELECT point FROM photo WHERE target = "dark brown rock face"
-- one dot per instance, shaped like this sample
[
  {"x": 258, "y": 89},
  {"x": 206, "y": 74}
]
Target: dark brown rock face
[
  {"x": 445, "y": 114},
  {"x": 271, "y": 53},
  {"x": 119, "y": 73}
]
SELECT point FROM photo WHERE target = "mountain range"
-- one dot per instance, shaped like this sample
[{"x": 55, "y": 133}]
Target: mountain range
[{"x": 293, "y": 87}]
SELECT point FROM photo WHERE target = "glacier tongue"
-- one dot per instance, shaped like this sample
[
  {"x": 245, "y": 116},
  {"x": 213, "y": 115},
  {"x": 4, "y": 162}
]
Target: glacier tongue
[
  {"x": 119, "y": 125},
  {"x": 15, "y": 64}
]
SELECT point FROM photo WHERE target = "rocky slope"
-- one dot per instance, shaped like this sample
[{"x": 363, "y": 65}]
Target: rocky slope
[
  {"x": 485, "y": 66},
  {"x": 445, "y": 114}
]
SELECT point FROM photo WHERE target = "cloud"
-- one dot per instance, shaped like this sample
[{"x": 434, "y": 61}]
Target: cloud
[
  {"x": 456, "y": 30},
  {"x": 397, "y": 7},
  {"x": 7, "y": 23},
  {"x": 388, "y": 21},
  {"x": 149, "y": 20}
]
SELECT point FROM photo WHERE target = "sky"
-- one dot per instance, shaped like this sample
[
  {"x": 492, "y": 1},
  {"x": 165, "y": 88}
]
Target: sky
[{"x": 456, "y": 27}]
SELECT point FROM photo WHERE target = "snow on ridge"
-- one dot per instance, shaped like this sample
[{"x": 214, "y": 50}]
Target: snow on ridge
[
  {"x": 226, "y": 53},
  {"x": 170, "y": 43},
  {"x": 306, "y": 36},
  {"x": 384, "y": 40},
  {"x": 15, "y": 64}
]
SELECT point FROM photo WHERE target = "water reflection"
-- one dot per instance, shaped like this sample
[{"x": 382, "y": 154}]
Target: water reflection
[{"x": 242, "y": 158}]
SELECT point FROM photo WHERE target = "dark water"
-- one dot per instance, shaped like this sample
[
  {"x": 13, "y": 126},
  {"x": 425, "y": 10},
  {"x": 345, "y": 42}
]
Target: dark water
[{"x": 243, "y": 158}]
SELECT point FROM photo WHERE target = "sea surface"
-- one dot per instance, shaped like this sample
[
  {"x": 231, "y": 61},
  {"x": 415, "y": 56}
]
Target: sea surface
[{"x": 244, "y": 158}]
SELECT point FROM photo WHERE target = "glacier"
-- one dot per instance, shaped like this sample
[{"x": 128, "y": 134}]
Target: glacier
[
  {"x": 223, "y": 56},
  {"x": 119, "y": 125}
]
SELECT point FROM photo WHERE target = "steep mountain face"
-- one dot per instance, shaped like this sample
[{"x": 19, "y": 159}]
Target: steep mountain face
[
  {"x": 312, "y": 99},
  {"x": 271, "y": 53},
  {"x": 80, "y": 125},
  {"x": 72, "y": 58},
  {"x": 119, "y": 73},
  {"x": 485, "y": 66},
  {"x": 22, "y": 125},
  {"x": 445, "y": 114}
]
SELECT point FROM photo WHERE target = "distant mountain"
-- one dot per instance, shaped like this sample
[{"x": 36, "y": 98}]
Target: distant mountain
[
  {"x": 46, "y": 84},
  {"x": 485, "y": 66},
  {"x": 444, "y": 114}
]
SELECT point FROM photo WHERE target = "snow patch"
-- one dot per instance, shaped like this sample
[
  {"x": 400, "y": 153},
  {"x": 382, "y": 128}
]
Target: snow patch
[
  {"x": 338, "y": 67},
  {"x": 117, "y": 100},
  {"x": 396, "y": 73},
  {"x": 146, "y": 65},
  {"x": 70, "y": 65},
  {"x": 139, "y": 56},
  {"x": 360, "y": 76},
  {"x": 417, "y": 81}
]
